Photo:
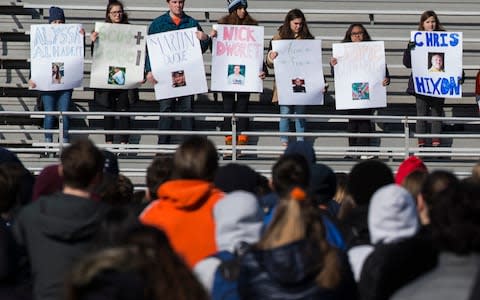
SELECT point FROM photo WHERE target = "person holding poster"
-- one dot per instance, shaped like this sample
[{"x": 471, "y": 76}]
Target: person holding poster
[
  {"x": 237, "y": 15},
  {"x": 358, "y": 33},
  {"x": 112, "y": 100},
  {"x": 58, "y": 100},
  {"x": 174, "y": 19},
  {"x": 294, "y": 27},
  {"x": 425, "y": 104}
]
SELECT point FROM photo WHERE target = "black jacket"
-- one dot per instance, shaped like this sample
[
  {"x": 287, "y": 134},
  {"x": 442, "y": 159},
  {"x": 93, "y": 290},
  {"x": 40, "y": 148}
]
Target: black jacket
[
  {"x": 56, "y": 230},
  {"x": 391, "y": 266},
  {"x": 289, "y": 272}
]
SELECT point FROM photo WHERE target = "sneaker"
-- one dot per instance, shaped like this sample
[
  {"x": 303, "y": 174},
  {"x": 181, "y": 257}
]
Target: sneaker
[
  {"x": 421, "y": 142},
  {"x": 435, "y": 142},
  {"x": 242, "y": 139},
  {"x": 365, "y": 157},
  {"x": 228, "y": 140}
]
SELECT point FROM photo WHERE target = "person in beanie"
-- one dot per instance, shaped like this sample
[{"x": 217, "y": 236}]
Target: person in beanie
[
  {"x": 237, "y": 15},
  {"x": 58, "y": 99},
  {"x": 409, "y": 165}
]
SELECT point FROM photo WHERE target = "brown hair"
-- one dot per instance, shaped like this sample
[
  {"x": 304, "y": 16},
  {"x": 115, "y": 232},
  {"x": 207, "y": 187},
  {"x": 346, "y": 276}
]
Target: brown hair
[
  {"x": 196, "y": 158},
  {"x": 414, "y": 182},
  {"x": 81, "y": 162},
  {"x": 427, "y": 14},
  {"x": 286, "y": 33},
  {"x": 109, "y": 8},
  {"x": 233, "y": 19},
  {"x": 348, "y": 34}
]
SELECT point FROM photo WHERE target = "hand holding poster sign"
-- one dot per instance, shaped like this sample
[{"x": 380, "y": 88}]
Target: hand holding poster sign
[
  {"x": 359, "y": 75},
  {"x": 299, "y": 72},
  {"x": 114, "y": 69},
  {"x": 177, "y": 63},
  {"x": 437, "y": 63},
  {"x": 56, "y": 53},
  {"x": 237, "y": 58}
]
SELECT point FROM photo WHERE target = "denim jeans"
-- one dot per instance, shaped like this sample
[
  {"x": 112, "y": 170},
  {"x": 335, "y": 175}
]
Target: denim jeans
[
  {"x": 56, "y": 101},
  {"x": 285, "y": 122},
  {"x": 180, "y": 104}
]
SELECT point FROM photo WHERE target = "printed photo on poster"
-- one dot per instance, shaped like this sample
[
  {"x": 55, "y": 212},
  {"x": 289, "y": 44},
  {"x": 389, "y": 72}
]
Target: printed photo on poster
[
  {"x": 116, "y": 75},
  {"x": 436, "y": 62},
  {"x": 178, "y": 78},
  {"x": 298, "y": 85},
  {"x": 236, "y": 74},
  {"x": 360, "y": 91},
  {"x": 58, "y": 69}
]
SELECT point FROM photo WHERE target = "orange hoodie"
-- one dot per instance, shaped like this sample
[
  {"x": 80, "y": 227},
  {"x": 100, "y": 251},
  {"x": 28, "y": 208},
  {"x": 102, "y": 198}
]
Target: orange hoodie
[{"x": 184, "y": 210}]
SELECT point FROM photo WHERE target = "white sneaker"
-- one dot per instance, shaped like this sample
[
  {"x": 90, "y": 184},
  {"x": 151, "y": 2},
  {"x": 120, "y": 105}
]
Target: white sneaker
[{"x": 365, "y": 157}]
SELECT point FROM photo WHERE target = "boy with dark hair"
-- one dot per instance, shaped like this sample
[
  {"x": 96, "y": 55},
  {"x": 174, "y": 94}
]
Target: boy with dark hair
[{"x": 59, "y": 228}]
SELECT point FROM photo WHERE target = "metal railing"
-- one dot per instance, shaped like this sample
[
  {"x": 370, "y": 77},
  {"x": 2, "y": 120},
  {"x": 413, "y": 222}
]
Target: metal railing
[{"x": 404, "y": 145}]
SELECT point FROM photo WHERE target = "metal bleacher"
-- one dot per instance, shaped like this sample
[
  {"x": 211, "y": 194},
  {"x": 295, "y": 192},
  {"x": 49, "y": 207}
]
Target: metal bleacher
[{"x": 390, "y": 21}]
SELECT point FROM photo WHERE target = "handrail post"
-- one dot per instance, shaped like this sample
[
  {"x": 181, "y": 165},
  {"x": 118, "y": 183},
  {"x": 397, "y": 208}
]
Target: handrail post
[
  {"x": 407, "y": 137},
  {"x": 234, "y": 137},
  {"x": 60, "y": 129}
]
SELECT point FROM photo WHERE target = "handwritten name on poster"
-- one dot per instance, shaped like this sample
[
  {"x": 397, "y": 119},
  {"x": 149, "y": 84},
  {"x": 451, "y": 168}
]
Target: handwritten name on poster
[
  {"x": 359, "y": 74},
  {"x": 299, "y": 72},
  {"x": 56, "y": 53},
  {"x": 237, "y": 58},
  {"x": 177, "y": 63},
  {"x": 437, "y": 63}
]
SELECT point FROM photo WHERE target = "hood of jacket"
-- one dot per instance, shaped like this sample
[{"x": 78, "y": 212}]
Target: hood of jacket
[
  {"x": 392, "y": 215},
  {"x": 186, "y": 193},
  {"x": 238, "y": 218},
  {"x": 69, "y": 218},
  {"x": 296, "y": 263}
]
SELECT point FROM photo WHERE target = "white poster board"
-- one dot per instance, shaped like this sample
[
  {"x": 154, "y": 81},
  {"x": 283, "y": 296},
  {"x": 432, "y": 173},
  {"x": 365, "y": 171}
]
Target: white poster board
[
  {"x": 118, "y": 59},
  {"x": 299, "y": 72},
  {"x": 56, "y": 55},
  {"x": 237, "y": 58},
  {"x": 359, "y": 75},
  {"x": 437, "y": 63},
  {"x": 177, "y": 63}
]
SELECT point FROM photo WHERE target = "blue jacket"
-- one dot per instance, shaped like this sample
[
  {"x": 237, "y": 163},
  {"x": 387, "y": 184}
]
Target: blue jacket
[
  {"x": 289, "y": 272},
  {"x": 164, "y": 23}
]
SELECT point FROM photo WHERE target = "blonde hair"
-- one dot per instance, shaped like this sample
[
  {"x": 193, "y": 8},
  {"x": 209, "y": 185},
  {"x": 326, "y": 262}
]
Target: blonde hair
[{"x": 297, "y": 219}]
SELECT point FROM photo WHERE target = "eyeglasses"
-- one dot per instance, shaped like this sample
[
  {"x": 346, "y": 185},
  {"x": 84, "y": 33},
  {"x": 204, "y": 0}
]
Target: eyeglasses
[
  {"x": 359, "y": 33},
  {"x": 116, "y": 12}
]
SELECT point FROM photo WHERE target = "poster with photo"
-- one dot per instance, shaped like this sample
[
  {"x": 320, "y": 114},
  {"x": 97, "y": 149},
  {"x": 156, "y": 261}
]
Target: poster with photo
[
  {"x": 437, "y": 63},
  {"x": 237, "y": 58},
  {"x": 114, "y": 69},
  {"x": 299, "y": 72},
  {"x": 56, "y": 55},
  {"x": 359, "y": 75},
  {"x": 177, "y": 63}
]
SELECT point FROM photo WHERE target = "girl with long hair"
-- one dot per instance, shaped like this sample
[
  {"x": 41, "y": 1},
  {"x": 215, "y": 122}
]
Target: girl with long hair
[
  {"x": 294, "y": 27},
  {"x": 114, "y": 100},
  {"x": 358, "y": 33}
]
